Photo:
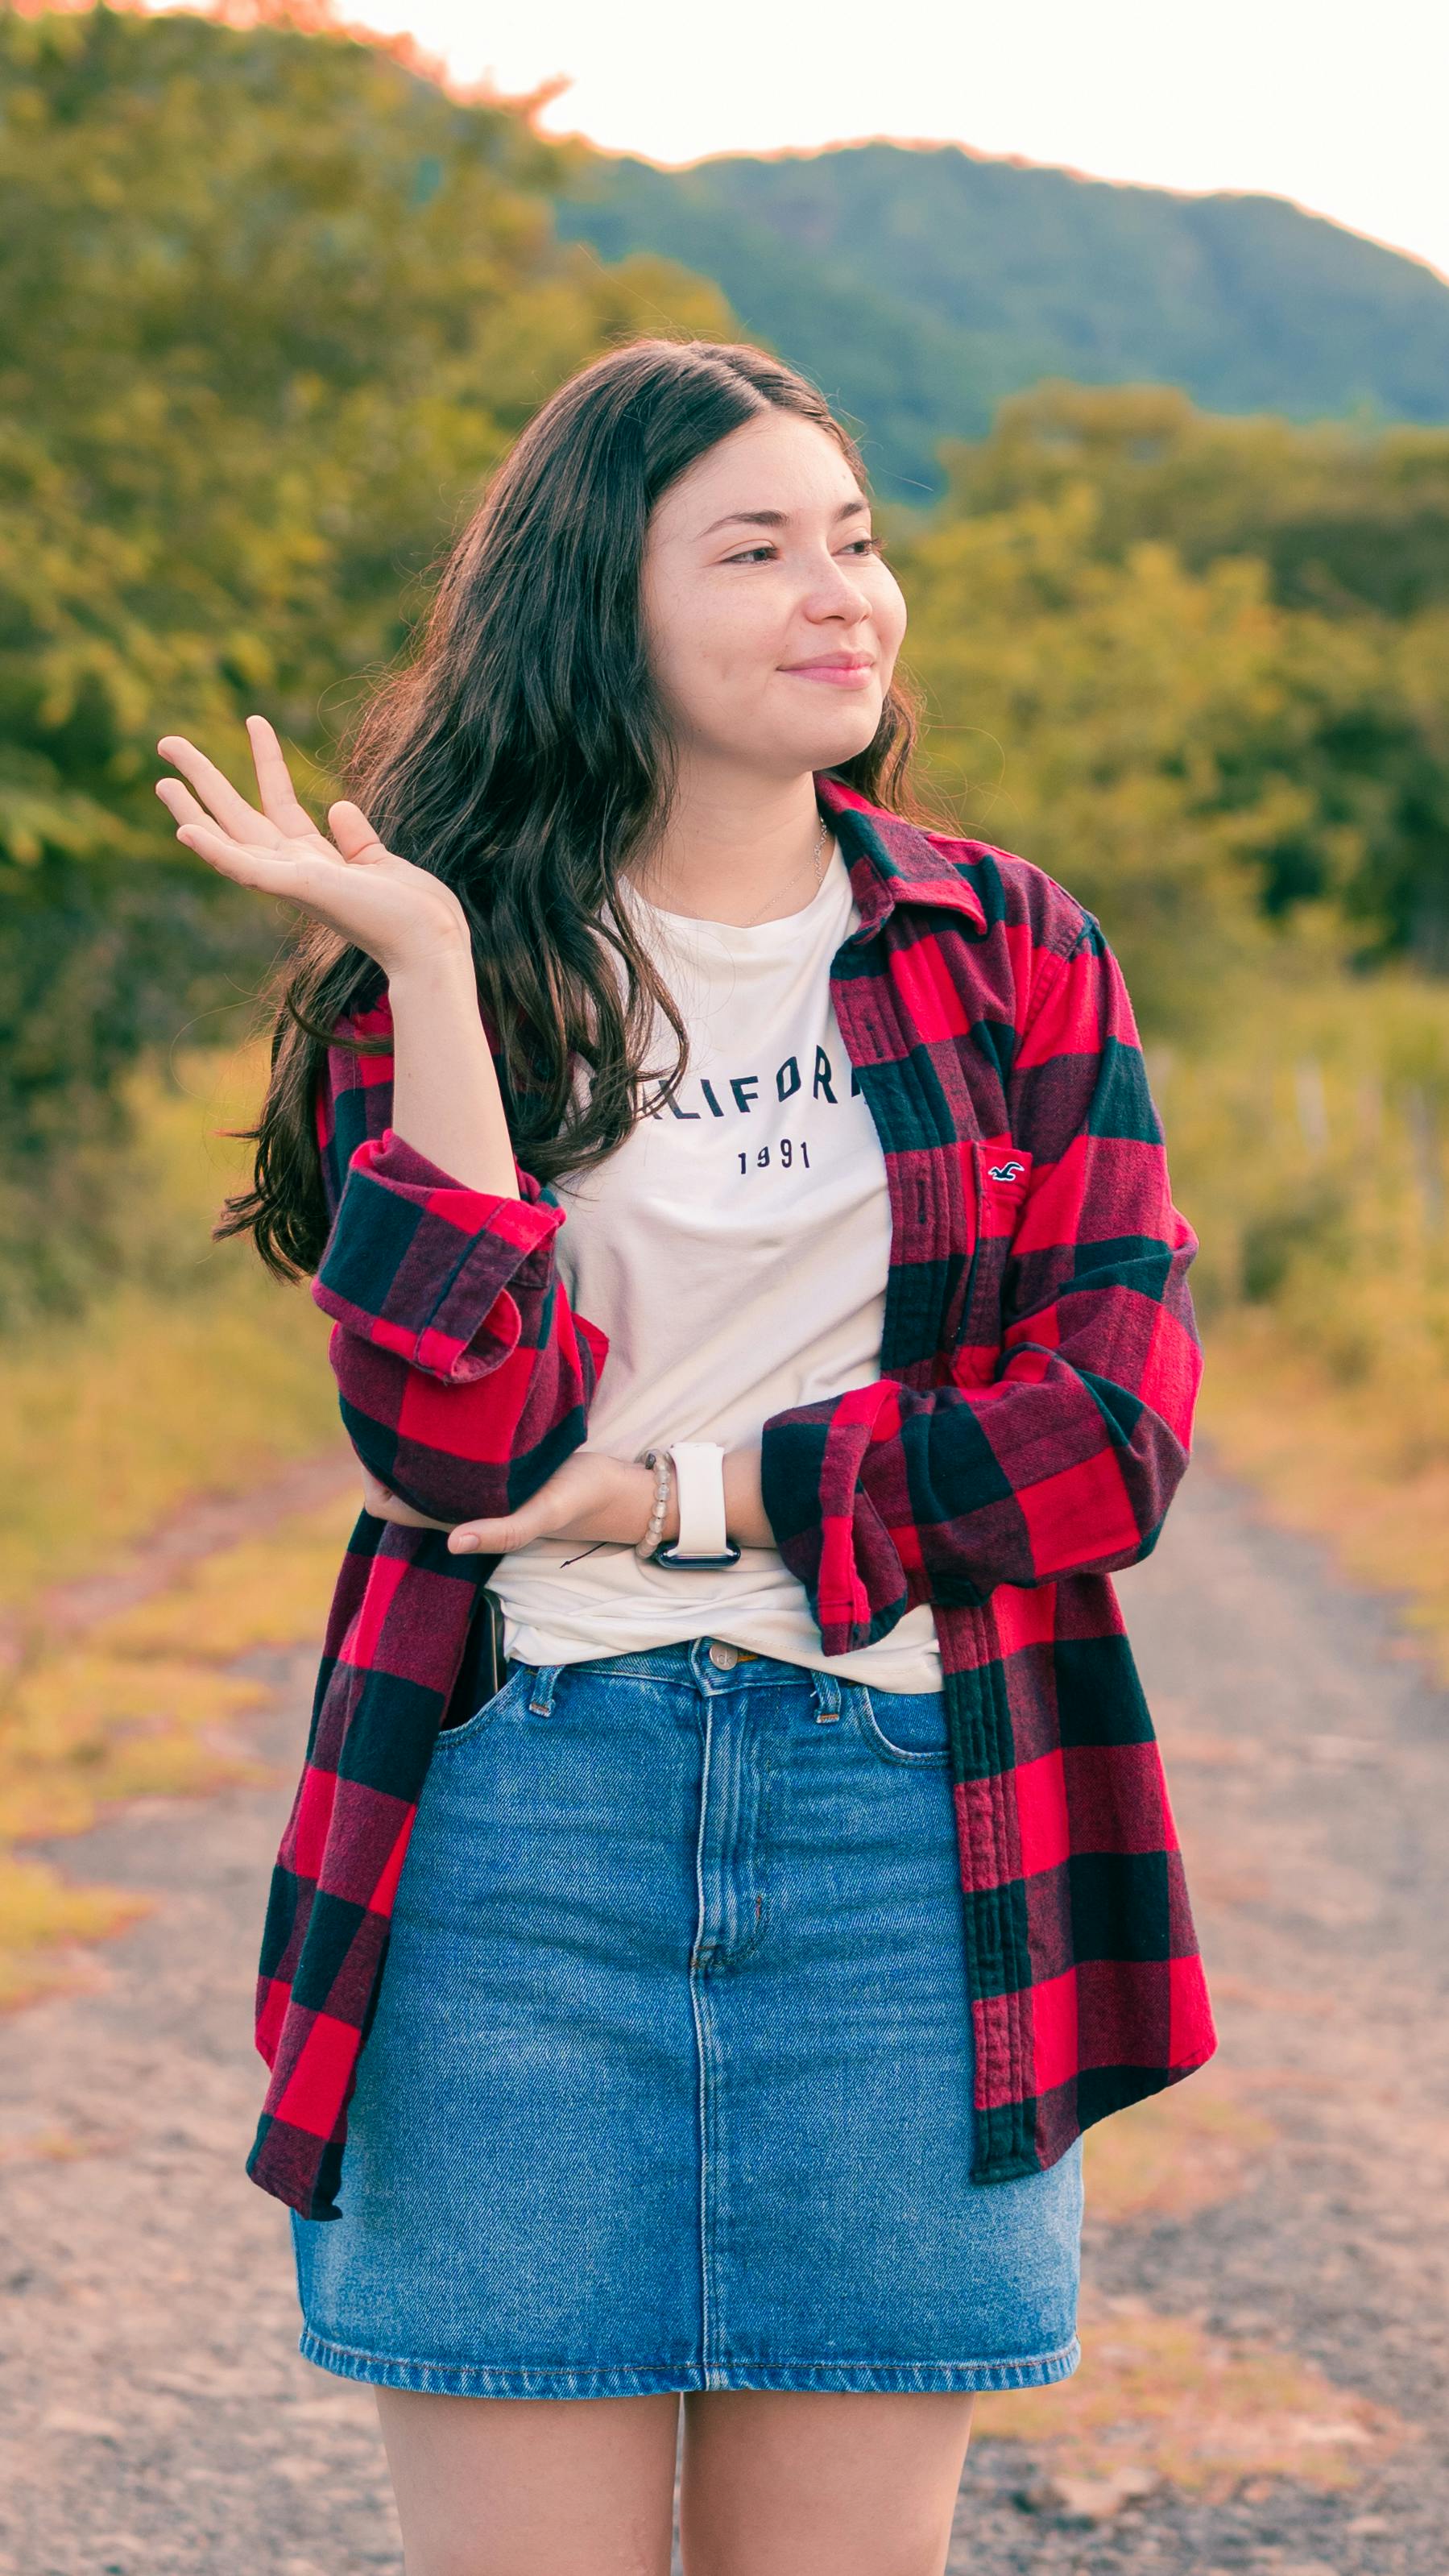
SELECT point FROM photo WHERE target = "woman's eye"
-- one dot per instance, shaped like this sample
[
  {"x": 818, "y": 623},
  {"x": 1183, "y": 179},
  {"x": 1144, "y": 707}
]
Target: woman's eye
[{"x": 871, "y": 545}]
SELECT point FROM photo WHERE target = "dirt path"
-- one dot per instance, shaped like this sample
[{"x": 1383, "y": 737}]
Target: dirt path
[{"x": 155, "y": 2414}]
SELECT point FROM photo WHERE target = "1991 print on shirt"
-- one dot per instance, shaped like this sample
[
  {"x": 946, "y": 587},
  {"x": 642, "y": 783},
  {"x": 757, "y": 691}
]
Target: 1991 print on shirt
[
  {"x": 783, "y": 1153},
  {"x": 735, "y": 1250}
]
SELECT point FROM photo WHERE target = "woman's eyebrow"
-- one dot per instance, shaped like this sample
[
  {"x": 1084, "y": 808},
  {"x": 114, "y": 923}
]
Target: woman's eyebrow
[{"x": 775, "y": 518}]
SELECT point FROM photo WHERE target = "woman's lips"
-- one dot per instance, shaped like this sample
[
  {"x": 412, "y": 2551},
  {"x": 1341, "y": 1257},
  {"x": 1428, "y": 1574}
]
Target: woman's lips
[{"x": 836, "y": 675}]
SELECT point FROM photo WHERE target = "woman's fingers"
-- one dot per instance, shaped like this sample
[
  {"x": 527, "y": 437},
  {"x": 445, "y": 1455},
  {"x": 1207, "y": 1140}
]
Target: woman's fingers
[
  {"x": 353, "y": 833},
  {"x": 490, "y": 1538},
  {"x": 268, "y": 870},
  {"x": 385, "y": 1505},
  {"x": 593, "y": 1495},
  {"x": 285, "y": 818},
  {"x": 280, "y": 801},
  {"x": 376, "y": 900},
  {"x": 405, "y": 1516},
  {"x": 216, "y": 791},
  {"x": 179, "y": 802}
]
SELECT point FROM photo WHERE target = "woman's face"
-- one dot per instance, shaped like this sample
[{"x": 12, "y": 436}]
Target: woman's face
[{"x": 748, "y": 624}]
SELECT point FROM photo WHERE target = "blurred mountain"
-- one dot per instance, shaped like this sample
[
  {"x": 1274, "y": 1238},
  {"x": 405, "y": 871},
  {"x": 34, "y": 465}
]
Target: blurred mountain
[{"x": 919, "y": 284}]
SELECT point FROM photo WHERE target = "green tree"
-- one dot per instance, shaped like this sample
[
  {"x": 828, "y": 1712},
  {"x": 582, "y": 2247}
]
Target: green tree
[
  {"x": 1245, "y": 619},
  {"x": 272, "y": 304},
  {"x": 1069, "y": 701},
  {"x": 1344, "y": 517}
]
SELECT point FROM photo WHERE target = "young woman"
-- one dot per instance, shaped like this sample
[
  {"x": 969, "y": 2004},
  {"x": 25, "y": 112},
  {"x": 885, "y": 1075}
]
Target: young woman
[{"x": 751, "y": 1257}]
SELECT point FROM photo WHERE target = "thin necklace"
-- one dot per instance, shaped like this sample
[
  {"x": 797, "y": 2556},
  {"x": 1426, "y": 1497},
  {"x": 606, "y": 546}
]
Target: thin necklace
[{"x": 821, "y": 840}]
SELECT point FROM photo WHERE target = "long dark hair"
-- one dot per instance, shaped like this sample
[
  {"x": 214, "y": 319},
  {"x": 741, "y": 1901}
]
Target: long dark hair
[{"x": 522, "y": 755}]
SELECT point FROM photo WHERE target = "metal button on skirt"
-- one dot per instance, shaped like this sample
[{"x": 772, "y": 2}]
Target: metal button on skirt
[{"x": 669, "y": 2084}]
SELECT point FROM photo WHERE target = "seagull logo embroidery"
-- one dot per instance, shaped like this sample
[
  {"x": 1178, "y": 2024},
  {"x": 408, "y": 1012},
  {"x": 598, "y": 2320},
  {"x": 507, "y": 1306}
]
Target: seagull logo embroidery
[{"x": 1004, "y": 1171}]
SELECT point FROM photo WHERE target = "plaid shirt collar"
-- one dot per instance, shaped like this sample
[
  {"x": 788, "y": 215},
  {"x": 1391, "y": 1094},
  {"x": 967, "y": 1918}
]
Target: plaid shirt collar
[{"x": 892, "y": 860}]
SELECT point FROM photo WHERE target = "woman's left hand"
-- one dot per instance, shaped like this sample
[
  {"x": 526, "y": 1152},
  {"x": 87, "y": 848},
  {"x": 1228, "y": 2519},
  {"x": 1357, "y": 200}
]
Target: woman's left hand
[{"x": 591, "y": 1496}]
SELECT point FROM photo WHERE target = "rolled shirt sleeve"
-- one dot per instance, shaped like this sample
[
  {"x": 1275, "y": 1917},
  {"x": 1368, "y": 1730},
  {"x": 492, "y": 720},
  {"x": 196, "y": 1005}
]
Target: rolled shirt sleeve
[
  {"x": 464, "y": 1375},
  {"x": 449, "y": 1278}
]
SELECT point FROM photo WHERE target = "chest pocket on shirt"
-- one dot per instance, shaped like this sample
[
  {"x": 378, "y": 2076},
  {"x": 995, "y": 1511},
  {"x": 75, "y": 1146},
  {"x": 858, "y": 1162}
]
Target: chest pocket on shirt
[{"x": 1000, "y": 1178}]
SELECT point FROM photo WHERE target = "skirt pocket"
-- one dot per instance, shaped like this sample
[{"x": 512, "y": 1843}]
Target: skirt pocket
[
  {"x": 482, "y": 1718},
  {"x": 904, "y": 1726}
]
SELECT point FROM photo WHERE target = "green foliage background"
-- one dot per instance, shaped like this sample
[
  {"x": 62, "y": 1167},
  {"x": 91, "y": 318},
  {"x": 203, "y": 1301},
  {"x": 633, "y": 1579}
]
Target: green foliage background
[
  {"x": 271, "y": 306},
  {"x": 273, "y": 303}
]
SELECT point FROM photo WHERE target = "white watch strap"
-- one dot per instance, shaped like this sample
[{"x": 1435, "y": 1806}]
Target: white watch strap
[{"x": 699, "y": 1476}]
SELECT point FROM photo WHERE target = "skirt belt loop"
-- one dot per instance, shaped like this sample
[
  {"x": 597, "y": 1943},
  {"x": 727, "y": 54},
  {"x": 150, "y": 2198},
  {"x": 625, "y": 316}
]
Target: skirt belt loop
[
  {"x": 541, "y": 1696},
  {"x": 827, "y": 1695}
]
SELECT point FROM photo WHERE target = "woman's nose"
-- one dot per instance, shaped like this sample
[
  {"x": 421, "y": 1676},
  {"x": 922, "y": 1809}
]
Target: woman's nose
[{"x": 836, "y": 588}]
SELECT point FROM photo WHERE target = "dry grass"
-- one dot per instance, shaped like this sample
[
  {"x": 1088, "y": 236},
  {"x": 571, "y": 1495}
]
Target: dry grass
[
  {"x": 43, "y": 1919},
  {"x": 269, "y": 1590},
  {"x": 141, "y": 1706},
  {"x": 198, "y": 1375},
  {"x": 1329, "y": 1459},
  {"x": 59, "y": 2145},
  {"x": 194, "y": 1379},
  {"x": 1162, "y": 2394},
  {"x": 1308, "y": 1148},
  {"x": 1181, "y": 2150}
]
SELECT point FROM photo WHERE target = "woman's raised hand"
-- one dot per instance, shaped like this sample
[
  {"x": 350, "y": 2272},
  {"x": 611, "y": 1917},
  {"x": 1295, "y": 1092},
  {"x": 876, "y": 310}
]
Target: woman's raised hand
[{"x": 396, "y": 913}]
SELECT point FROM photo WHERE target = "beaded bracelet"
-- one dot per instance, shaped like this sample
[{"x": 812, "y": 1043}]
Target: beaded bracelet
[{"x": 663, "y": 1466}]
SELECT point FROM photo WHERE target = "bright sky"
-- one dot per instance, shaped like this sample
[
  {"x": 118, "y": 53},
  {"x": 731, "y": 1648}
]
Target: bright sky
[{"x": 1335, "y": 104}]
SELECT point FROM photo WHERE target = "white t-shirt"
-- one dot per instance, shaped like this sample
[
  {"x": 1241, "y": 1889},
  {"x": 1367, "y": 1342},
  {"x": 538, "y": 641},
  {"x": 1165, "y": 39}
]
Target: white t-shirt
[{"x": 735, "y": 1251}]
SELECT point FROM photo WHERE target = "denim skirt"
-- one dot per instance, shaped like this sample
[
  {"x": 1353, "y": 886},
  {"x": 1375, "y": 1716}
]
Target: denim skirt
[{"x": 669, "y": 2084}]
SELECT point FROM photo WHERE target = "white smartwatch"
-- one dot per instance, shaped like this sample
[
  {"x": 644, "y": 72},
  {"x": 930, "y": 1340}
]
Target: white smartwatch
[{"x": 703, "y": 1540}]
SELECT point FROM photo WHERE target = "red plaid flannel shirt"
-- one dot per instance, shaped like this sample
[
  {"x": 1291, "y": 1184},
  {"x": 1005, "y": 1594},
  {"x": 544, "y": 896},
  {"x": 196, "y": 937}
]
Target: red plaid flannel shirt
[{"x": 1039, "y": 1363}]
